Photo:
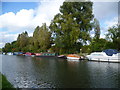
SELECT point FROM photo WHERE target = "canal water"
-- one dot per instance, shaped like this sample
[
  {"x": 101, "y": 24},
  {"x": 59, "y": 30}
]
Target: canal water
[{"x": 36, "y": 72}]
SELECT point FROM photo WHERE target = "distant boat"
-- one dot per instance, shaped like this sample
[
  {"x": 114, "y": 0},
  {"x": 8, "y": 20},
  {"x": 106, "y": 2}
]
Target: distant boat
[
  {"x": 15, "y": 53},
  {"x": 38, "y": 54},
  {"x": 21, "y": 53},
  {"x": 46, "y": 54},
  {"x": 18, "y": 53},
  {"x": 109, "y": 55},
  {"x": 62, "y": 56},
  {"x": 73, "y": 57},
  {"x": 3, "y": 53},
  {"x": 29, "y": 54},
  {"x": 9, "y": 53}
]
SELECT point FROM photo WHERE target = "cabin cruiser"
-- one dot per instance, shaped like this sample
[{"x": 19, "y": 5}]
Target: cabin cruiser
[{"x": 110, "y": 55}]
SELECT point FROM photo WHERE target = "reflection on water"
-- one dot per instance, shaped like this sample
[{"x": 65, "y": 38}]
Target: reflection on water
[{"x": 36, "y": 72}]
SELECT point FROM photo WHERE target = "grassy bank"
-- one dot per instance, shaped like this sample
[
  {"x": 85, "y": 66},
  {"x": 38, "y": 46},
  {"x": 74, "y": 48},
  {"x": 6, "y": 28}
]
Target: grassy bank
[{"x": 5, "y": 82}]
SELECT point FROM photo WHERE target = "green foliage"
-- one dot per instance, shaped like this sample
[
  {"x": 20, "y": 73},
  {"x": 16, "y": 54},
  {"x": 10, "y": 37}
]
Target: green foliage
[
  {"x": 96, "y": 27},
  {"x": 86, "y": 49},
  {"x": 113, "y": 36},
  {"x": 22, "y": 40},
  {"x": 72, "y": 24},
  {"x": 42, "y": 38},
  {"x": 81, "y": 12},
  {"x": 7, "y": 48},
  {"x": 66, "y": 32},
  {"x": 0, "y": 49},
  {"x": 98, "y": 45}
]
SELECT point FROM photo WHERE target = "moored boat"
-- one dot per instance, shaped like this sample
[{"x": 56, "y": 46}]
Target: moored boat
[
  {"x": 15, "y": 53},
  {"x": 3, "y": 53},
  {"x": 18, "y": 53},
  {"x": 9, "y": 53},
  {"x": 62, "y": 56},
  {"x": 21, "y": 53},
  {"x": 38, "y": 54},
  {"x": 109, "y": 55},
  {"x": 46, "y": 54},
  {"x": 73, "y": 57},
  {"x": 29, "y": 54}
]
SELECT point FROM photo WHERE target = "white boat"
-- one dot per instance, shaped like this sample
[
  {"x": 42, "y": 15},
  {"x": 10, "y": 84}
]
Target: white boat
[
  {"x": 3, "y": 53},
  {"x": 9, "y": 53},
  {"x": 102, "y": 56},
  {"x": 73, "y": 57}
]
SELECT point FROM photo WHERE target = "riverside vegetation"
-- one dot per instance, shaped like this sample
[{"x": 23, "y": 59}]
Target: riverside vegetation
[
  {"x": 69, "y": 32},
  {"x": 5, "y": 82}
]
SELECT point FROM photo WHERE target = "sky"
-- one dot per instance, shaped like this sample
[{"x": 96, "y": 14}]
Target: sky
[{"x": 17, "y": 16}]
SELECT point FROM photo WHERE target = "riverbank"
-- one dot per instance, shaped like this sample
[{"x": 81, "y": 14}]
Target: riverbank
[{"x": 5, "y": 82}]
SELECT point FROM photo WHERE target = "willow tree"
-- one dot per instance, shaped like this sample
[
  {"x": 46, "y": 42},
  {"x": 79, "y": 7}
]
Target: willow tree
[{"x": 73, "y": 23}]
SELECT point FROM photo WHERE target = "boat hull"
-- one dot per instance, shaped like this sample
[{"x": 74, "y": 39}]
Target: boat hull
[
  {"x": 104, "y": 60},
  {"x": 73, "y": 58}
]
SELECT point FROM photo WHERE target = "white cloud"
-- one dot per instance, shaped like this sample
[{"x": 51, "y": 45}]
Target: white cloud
[
  {"x": 103, "y": 10},
  {"x": 27, "y": 20},
  {"x": 13, "y": 21},
  {"x": 104, "y": 0},
  {"x": 30, "y": 34},
  {"x": 107, "y": 25},
  {"x": 1, "y": 44},
  {"x": 6, "y": 37},
  {"x": 111, "y": 22},
  {"x": 30, "y": 18},
  {"x": 106, "y": 13}
]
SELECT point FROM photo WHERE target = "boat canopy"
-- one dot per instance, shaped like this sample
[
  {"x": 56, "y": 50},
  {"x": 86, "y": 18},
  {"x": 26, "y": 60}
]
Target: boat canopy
[{"x": 110, "y": 52}]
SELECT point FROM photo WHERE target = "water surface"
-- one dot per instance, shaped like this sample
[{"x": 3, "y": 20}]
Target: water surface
[{"x": 36, "y": 72}]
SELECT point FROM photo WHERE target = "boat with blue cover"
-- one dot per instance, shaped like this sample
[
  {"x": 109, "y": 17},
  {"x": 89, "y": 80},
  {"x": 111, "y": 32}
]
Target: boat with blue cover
[{"x": 109, "y": 55}]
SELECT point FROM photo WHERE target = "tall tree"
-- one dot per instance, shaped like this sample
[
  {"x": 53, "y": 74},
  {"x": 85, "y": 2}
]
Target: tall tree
[
  {"x": 42, "y": 38},
  {"x": 66, "y": 32},
  {"x": 71, "y": 24},
  {"x": 82, "y": 13},
  {"x": 35, "y": 39},
  {"x": 22, "y": 40},
  {"x": 96, "y": 29},
  {"x": 14, "y": 46}
]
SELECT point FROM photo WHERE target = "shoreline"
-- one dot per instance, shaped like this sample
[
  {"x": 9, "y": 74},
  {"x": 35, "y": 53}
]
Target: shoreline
[{"x": 5, "y": 83}]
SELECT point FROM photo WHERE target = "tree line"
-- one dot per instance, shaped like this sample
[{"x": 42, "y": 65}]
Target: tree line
[{"x": 68, "y": 32}]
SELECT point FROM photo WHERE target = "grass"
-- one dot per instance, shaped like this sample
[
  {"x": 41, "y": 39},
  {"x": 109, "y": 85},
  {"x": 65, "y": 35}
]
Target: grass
[{"x": 5, "y": 82}]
